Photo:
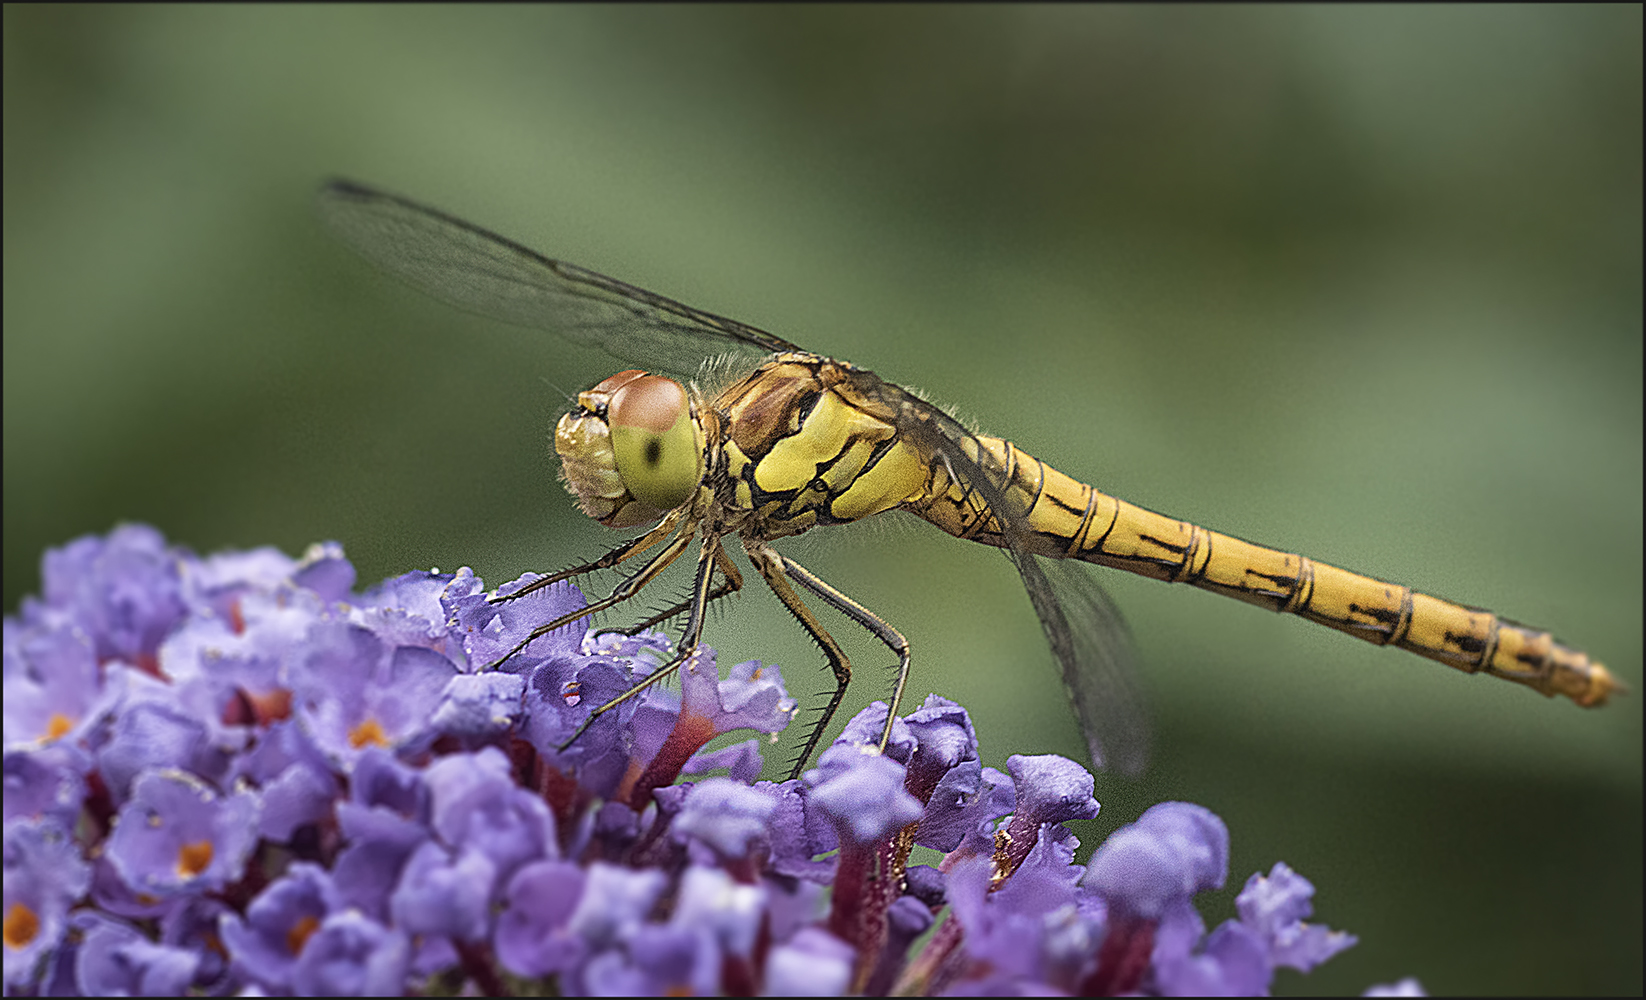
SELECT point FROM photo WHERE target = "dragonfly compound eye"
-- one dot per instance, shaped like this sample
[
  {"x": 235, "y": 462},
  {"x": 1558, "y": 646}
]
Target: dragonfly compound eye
[{"x": 655, "y": 441}]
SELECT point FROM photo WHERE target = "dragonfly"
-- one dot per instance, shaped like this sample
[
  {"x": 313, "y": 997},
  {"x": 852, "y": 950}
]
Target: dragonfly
[{"x": 725, "y": 433}]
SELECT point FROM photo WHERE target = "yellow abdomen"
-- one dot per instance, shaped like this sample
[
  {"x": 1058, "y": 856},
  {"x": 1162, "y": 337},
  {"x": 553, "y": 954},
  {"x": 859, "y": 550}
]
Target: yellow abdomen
[{"x": 1068, "y": 519}]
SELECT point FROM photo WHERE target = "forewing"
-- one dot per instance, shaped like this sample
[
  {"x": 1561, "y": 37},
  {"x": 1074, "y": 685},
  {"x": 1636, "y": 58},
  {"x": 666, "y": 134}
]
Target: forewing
[
  {"x": 1083, "y": 627},
  {"x": 479, "y": 271}
]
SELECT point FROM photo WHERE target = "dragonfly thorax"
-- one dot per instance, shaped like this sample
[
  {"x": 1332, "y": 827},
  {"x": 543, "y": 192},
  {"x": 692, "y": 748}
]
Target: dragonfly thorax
[{"x": 632, "y": 450}]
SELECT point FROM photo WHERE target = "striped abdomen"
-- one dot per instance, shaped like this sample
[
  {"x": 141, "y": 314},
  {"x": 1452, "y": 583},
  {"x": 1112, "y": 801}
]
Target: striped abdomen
[{"x": 1071, "y": 520}]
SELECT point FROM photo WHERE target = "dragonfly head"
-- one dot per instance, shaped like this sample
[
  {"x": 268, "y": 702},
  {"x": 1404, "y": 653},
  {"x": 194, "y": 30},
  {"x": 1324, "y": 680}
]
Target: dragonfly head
[{"x": 632, "y": 450}]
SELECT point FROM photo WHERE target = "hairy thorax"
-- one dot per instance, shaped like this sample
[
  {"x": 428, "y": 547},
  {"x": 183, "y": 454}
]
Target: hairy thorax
[{"x": 807, "y": 441}]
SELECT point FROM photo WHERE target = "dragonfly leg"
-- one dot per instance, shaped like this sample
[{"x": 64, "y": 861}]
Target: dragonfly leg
[
  {"x": 709, "y": 556},
  {"x": 868, "y": 620},
  {"x": 776, "y": 569},
  {"x": 770, "y": 565},
  {"x": 731, "y": 583},
  {"x": 622, "y": 592},
  {"x": 620, "y": 554}
]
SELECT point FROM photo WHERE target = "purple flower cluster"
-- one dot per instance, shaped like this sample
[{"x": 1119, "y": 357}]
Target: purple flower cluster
[{"x": 232, "y": 773}]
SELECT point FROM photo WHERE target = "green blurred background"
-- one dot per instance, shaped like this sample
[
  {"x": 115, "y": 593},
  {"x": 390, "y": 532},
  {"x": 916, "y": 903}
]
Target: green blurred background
[{"x": 1363, "y": 283}]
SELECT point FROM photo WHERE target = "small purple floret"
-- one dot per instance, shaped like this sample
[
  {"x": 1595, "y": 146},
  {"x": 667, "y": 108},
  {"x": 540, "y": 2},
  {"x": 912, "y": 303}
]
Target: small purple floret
[{"x": 1172, "y": 852}]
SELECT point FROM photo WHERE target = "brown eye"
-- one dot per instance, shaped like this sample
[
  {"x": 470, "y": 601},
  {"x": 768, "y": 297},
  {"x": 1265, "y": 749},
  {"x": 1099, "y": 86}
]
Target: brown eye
[{"x": 654, "y": 440}]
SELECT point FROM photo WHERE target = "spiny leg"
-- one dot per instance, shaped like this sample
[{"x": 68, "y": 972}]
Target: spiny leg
[
  {"x": 731, "y": 584},
  {"x": 771, "y": 566},
  {"x": 622, "y": 592},
  {"x": 707, "y": 558},
  {"x": 870, "y": 621},
  {"x": 621, "y": 553}
]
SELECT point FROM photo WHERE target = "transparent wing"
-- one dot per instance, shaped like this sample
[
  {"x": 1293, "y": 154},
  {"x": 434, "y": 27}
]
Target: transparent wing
[
  {"x": 1094, "y": 647},
  {"x": 479, "y": 271},
  {"x": 1083, "y": 627}
]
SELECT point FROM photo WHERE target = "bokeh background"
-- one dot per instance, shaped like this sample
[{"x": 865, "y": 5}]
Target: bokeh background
[{"x": 1363, "y": 283}]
